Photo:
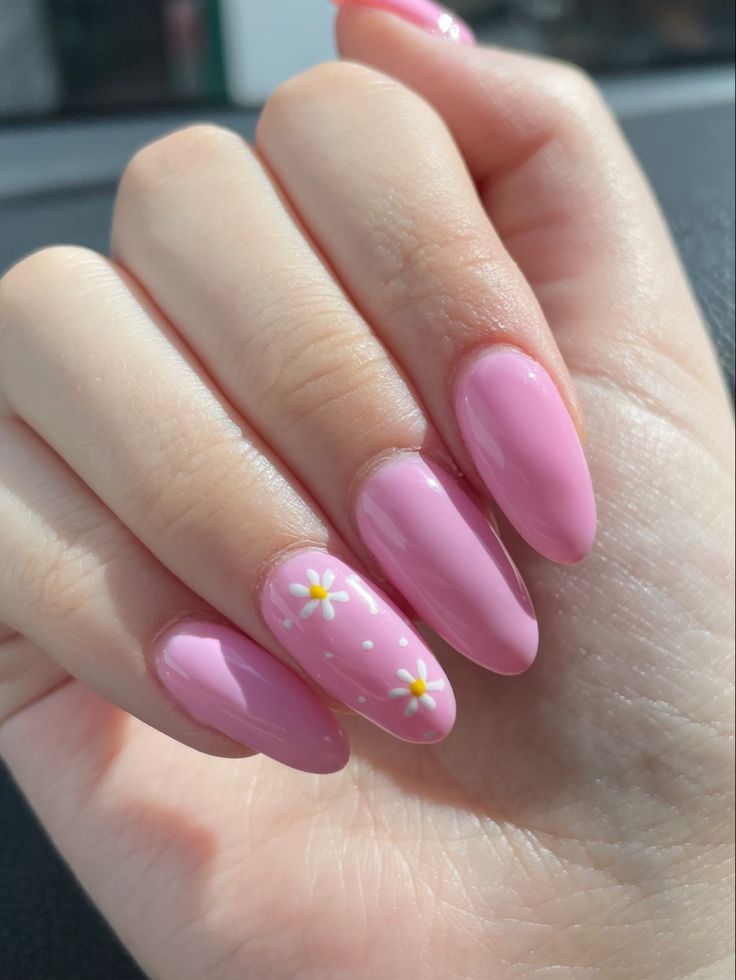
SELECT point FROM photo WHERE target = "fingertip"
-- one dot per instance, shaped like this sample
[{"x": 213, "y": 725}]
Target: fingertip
[{"x": 226, "y": 682}]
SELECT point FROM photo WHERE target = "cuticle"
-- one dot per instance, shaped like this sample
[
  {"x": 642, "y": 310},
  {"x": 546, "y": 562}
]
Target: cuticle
[
  {"x": 475, "y": 353},
  {"x": 212, "y": 616},
  {"x": 478, "y": 351},
  {"x": 279, "y": 557},
  {"x": 443, "y": 461}
]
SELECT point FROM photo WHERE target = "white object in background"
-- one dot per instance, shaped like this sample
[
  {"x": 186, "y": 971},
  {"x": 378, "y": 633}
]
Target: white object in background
[{"x": 267, "y": 41}]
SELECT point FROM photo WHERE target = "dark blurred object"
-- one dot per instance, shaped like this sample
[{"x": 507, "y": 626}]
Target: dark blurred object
[
  {"x": 605, "y": 35},
  {"x": 108, "y": 54},
  {"x": 48, "y": 928}
]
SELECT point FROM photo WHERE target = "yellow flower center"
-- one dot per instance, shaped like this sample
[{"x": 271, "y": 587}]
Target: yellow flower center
[
  {"x": 317, "y": 592},
  {"x": 417, "y": 687}
]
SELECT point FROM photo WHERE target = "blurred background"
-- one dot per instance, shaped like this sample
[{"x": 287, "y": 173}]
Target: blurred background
[
  {"x": 84, "y": 83},
  {"x": 70, "y": 57}
]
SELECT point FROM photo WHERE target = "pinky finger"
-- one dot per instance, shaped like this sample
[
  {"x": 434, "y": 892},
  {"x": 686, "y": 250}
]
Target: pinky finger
[{"x": 77, "y": 584}]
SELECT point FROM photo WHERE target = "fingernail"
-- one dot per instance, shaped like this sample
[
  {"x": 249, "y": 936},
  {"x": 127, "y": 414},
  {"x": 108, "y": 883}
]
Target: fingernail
[
  {"x": 227, "y": 682},
  {"x": 441, "y": 553},
  {"x": 523, "y": 441},
  {"x": 355, "y": 643},
  {"x": 423, "y": 13}
]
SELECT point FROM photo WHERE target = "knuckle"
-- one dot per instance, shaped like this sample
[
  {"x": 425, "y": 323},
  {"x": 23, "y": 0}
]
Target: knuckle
[
  {"x": 23, "y": 279},
  {"x": 178, "y": 152},
  {"x": 450, "y": 282},
  {"x": 328, "y": 83},
  {"x": 572, "y": 97},
  {"x": 183, "y": 484},
  {"x": 27, "y": 674},
  {"x": 26, "y": 287},
  {"x": 64, "y": 583}
]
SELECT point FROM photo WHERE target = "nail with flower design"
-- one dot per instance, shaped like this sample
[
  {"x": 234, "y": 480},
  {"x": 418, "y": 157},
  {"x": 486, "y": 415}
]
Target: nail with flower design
[
  {"x": 318, "y": 592},
  {"x": 358, "y": 646},
  {"x": 416, "y": 689}
]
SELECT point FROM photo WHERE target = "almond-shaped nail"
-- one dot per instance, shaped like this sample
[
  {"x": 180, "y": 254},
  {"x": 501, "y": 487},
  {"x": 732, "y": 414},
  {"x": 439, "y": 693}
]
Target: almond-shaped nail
[
  {"x": 436, "y": 546},
  {"x": 524, "y": 443},
  {"x": 348, "y": 636},
  {"x": 227, "y": 682},
  {"x": 432, "y": 17}
]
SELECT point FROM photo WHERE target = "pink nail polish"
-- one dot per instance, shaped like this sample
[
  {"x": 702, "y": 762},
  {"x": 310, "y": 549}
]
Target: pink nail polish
[
  {"x": 439, "y": 550},
  {"x": 227, "y": 682},
  {"x": 357, "y": 645},
  {"x": 423, "y": 13},
  {"x": 524, "y": 443}
]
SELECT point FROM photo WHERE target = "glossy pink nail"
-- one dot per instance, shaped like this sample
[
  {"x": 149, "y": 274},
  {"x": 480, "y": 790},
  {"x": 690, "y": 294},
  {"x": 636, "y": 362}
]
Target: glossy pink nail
[
  {"x": 225, "y": 681},
  {"x": 441, "y": 553},
  {"x": 430, "y": 16},
  {"x": 523, "y": 441},
  {"x": 355, "y": 643}
]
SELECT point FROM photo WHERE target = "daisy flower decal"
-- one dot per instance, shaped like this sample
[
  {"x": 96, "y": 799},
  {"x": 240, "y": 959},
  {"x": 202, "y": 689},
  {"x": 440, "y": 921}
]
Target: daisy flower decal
[
  {"x": 416, "y": 689},
  {"x": 318, "y": 593}
]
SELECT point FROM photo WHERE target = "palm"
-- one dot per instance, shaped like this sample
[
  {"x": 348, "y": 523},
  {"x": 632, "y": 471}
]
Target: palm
[{"x": 487, "y": 851}]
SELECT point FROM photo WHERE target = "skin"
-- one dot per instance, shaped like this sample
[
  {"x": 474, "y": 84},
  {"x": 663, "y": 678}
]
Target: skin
[{"x": 577, "y": 822}]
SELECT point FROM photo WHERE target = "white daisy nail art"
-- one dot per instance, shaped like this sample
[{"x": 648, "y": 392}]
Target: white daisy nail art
[
  {"x": 416, "y": 689},
  {"x": 349, "y": 637},
  {"x": 318, "y": 593}
]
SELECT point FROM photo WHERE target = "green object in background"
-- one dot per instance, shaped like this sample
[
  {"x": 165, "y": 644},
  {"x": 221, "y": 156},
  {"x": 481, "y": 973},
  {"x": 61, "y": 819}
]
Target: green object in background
[
  {"x": 214, "y": 67},
  {"x": 193, "y": 43}
]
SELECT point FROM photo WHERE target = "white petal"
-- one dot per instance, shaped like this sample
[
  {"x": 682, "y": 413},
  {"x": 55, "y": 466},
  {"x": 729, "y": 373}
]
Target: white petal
[
  {"x": 428, "y": 702},
  {"x": 338, "y": 596},
  {"x": 411, "y": 708},
  {"x": 306, "y": 611},
  {"x": 312, "y": 576},
  {"x": 403, "y": 674},
  {"x": 438, "y": 685},
  {"x": 298, "y": 589},
  {"x": 328, "y": 578},
  {"x": 399, "y": 692},
  {"x": 422, "y": 669},
  {"x": 328, "y": 611}
]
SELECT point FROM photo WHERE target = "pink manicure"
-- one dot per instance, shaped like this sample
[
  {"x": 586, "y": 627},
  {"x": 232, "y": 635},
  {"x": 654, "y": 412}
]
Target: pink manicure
[
  {"x": 357, "y": 645},
  {"x": 524, "y": 443},
  {"x": 440, "y": 552},
  {"x": 225, "y": 681},
  {"x": 423, "y": 13}
]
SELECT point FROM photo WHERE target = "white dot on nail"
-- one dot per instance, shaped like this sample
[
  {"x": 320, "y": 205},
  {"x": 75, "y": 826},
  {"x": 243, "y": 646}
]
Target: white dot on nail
[
  {"x": 429, "y": 734},
  {"x": 403, "y": 642},
  {"x": 362, "y": 699},
  {"x": 288, "y": 623},
  {"x": 367, "y": 644},
  {"x": 329, "y": 655}
]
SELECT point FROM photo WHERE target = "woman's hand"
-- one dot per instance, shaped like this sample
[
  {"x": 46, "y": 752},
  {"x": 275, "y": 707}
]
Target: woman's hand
[{"x": 415, "y": 255}]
